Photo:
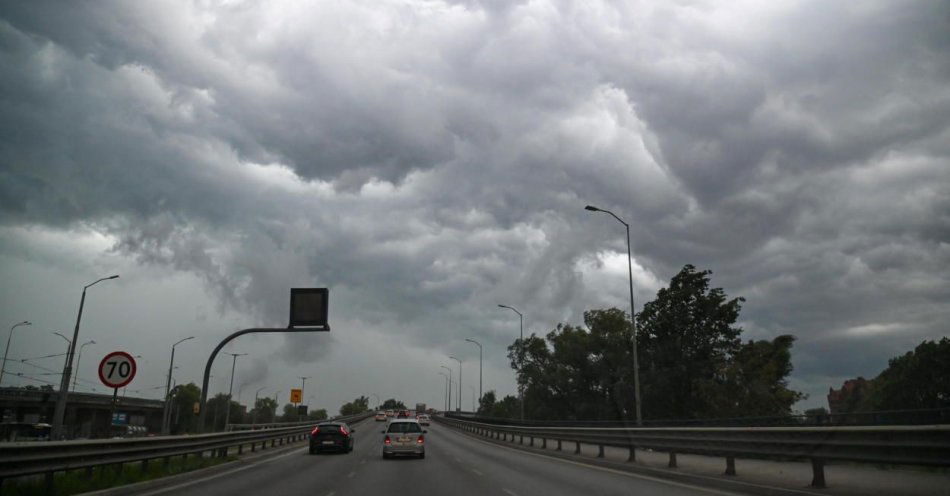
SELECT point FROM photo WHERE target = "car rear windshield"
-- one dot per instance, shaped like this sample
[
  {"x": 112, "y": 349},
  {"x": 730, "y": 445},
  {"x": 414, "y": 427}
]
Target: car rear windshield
[
  {"x": 329, "y": 428},
  {"x": 404, "y": 427}
]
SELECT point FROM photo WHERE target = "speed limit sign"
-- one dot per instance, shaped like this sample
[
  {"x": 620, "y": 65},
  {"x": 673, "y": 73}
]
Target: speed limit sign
[{"x": 117, "y": 369}]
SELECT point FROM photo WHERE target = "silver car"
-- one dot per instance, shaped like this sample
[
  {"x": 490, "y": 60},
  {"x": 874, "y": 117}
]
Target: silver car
[{"x": 404, "y": 437}]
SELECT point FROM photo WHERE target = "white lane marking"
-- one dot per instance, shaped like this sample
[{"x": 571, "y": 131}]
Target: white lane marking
[
  {"x": 457, "y": 459},
  {"x": 639, "y": 476},
  {"x": 351, "y": 474},
  {"x": 331, "y": 493},
  {"x": 362, "y": 462},
  {"x": 509, "y": 492},
  {"x": 222, "y": 474},
  {"x": 477, "y": 472}
]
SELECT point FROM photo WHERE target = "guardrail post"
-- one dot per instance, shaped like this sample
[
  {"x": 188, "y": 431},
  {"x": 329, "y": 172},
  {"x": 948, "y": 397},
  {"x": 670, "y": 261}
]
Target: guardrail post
[
  {"x": 145, "y": 465},
  {"x": 544, "y": 443},
  {"x": 49, "y": 482},
  {"x": 559, "y": 445},
  {"x": 600, "y": 451},
  {"x": 89, "y": 472},
  {"x": 672, "y": 463},
  {"x": 730, "y": 465},
  {"x": 531, "y": 442},
  {"x": 521, "y": 439},
  {"x": 577, "y": 449},
  {"x": 818, "y": 472},
  {"x": 632, "y": 457},
  {"x": 240, "y": 449}
]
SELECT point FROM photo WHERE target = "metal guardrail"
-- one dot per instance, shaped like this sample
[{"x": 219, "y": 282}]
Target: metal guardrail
[
  {"x": 32, "y": 458},
  {"x": 899, "y": 445}
]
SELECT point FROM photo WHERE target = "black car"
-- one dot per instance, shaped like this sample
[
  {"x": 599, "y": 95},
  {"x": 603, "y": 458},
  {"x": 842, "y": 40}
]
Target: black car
[{"x": 331, "y": 436}]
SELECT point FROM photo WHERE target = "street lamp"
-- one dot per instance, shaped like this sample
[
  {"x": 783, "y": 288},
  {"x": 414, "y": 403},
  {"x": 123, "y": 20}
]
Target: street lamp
[
  {"x": 227, "y": 408},
  {"x": 459, "y": 395},
  {"x": 7, "y": 350},
  {"x": 166, "y": 413},
  {"x": 68, "y": 342},
  {"x": 60, "y": 412},
  {"x": 473, "y": 397},
  {"x": 78, "y": 359},
  {"x": 476, "y": 343},
  {"x": 633, "y": 315},
  {"x": 303, "y": 389},
  {"x": 445, "y": 400},
  {"x": 449, "y": 406},
  {"x": 521, "y": 357}
]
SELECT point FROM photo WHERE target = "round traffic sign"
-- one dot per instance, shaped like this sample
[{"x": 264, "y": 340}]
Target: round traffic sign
[{"x": 117, "y": 369}]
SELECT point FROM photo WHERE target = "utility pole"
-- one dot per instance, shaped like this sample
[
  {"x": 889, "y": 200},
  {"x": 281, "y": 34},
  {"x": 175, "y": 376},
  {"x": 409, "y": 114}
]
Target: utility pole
[
  {"x": 227, "y": 407},
  {"x": 7, "y": 349},
  {"x": 476, "y": 343},
  {"x": 520, "y": 358},
  {"x": 166, "y": 411},
  {"x": 303, "y": 390},
  {"x": 60, "y": 413},
  {"x": 450, "y": 387},
  {"x": 445, "y": 399},
  {"x": 459, "y": 395},
  {"x": 633, "y": 315}
]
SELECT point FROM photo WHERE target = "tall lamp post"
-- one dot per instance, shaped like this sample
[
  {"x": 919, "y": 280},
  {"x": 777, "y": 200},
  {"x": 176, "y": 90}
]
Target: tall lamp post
[
  {"x": 166, "y": 411},
  {"x": 303, "y": 390},
  {"x": 459, "y": 395},
  {"x": 520, "y": 358},
  {"x": 78, "y": 359},
  {"x": 256, "y": 394},
  {"x": 7, "y": 350},
  {"x": 60, "y": 412},
  {"x": 445, "y": 400},
  {"x": 227, "y": 407},
  {"x": 633, "y": 315},
  {"x": 450, "y": 387},
  {"x": 476, "y": 343},
  {"x": 68, "y": 342}
]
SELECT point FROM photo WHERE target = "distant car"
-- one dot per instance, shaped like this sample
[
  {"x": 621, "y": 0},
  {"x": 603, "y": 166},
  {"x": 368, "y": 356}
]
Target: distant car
[
  {"x": 404, "y": 437},
  {"x": 402, "y": 414},
  {"x": 331, "y": 436},
  {"x": 423, "y": 419},
  {"x": 390, "y": 413},
  {"x": 381, "y": 416}
]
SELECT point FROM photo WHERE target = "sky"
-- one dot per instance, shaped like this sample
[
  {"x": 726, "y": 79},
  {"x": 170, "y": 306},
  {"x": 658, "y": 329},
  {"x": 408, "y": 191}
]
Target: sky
[{"x": 428, "y": 160}]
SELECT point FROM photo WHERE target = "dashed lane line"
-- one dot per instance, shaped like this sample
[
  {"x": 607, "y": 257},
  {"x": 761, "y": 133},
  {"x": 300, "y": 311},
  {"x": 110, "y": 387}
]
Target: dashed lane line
[
  {"x": 476, "y": 472},
  {"x": 509, "y": 492}
]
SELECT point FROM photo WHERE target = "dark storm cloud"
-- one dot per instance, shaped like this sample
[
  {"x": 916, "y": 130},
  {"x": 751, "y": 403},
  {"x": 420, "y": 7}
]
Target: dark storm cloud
[{"x": 430, "y": 161}]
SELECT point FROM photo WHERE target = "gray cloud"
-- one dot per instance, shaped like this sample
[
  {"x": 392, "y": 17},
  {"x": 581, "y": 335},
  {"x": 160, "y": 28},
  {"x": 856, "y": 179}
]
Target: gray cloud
[{"x": 429, "y": 163}]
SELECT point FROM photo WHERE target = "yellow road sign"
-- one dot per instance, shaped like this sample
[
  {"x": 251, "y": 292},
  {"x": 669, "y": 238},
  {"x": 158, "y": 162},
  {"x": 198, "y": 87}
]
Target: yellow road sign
[
  {"x": 196, "y": 407},
  {"x": 296, "y": 396}
]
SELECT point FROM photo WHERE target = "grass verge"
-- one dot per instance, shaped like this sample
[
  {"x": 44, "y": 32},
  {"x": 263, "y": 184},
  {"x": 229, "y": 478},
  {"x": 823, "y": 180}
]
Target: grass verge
[{"x": 104, "y": 477}]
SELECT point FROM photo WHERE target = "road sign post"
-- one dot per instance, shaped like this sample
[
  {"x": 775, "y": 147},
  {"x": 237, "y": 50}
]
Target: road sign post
[
  {"x": 116, "y": 370},
  {"x": 308, "y": 313},
  {"x": 296, "y": 396}
]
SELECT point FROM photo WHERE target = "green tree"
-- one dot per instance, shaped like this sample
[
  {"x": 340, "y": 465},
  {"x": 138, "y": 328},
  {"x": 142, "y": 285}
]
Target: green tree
[
  {"x": 217, "y": 414},
  {"x": 264, "y": 411},
  {"x": 686, "y": 337},
  {"x": 289, "y": 413},
  {"x": 755, "y": 381},
  {"x": 183, "y": 398},
  {"x": 916, "y": 380},
  {"x": 392, "y": 404},
  {"x": 318, "y": 414},
  {"x": 359, "y": 405},
  {"x": 486, "y": 403}
]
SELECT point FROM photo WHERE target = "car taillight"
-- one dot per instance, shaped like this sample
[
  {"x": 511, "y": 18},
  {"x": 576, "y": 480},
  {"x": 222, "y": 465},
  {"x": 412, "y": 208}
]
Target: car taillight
[
  {"x": 421, "y": 439},
  {"x": 315, "y": 431},
  {"x": 387, "y": 440},
  {"x": 344, "y": 431}
]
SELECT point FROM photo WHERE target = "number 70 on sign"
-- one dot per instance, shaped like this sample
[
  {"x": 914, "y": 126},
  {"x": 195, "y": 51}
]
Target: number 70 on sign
[{"x": 117, "y": 369}]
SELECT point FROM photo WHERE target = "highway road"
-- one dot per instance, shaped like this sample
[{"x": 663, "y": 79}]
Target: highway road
[{"x": 455, "y": 464}]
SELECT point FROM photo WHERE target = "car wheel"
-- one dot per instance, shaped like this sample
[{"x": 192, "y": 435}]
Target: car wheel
[
  {"x": 385, "y": 456},
  {"x": 313, "y": 450},
  {"x": 423, "y": 455}
]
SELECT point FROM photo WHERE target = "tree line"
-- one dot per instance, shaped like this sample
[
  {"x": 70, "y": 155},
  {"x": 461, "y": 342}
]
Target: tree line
[{"x": 692, "y": 363}]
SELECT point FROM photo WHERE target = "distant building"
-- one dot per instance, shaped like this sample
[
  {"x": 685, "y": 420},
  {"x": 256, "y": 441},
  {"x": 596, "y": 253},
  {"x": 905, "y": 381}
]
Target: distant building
[{"x": 852, "y": 397}]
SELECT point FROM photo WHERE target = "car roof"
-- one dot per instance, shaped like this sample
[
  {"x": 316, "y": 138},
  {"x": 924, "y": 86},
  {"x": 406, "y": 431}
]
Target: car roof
[
  {"x": 331, "y": 423},
  {"x": 404, "y": 420}
]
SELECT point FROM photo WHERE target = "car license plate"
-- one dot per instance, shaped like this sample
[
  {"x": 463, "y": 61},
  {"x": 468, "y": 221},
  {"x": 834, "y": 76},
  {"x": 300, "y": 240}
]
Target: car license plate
[
  {"x": 404, "y": 440},
  {"x": 328, "y": 442}
]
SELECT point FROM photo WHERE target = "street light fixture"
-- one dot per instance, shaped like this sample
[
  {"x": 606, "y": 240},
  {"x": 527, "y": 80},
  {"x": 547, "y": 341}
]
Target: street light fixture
[
  {"x": 78, "y": 359},
  {"x": 633, "y": 316},
  {"x": 303, "y": 389},
  {"x": 445, "y": 400},
  {"x": 227, "y": 408},
  {"x": 7, "y": 350},
  {"x": 449, "y": 406},
  {"x": 520, "y": 357},
  {"x": 68, "y": 342},
  {"x": 166, "y": 414},
  {"x": 60, "y": 412},
  {"x": 459, "y": 395},
  {"x": 256, "y": 393},
  {"x": 476, "y": 343}
]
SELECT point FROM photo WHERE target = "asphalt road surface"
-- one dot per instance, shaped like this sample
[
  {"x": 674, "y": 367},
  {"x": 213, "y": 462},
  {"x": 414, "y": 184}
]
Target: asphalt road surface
[{"x": 455, "y": 465}]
